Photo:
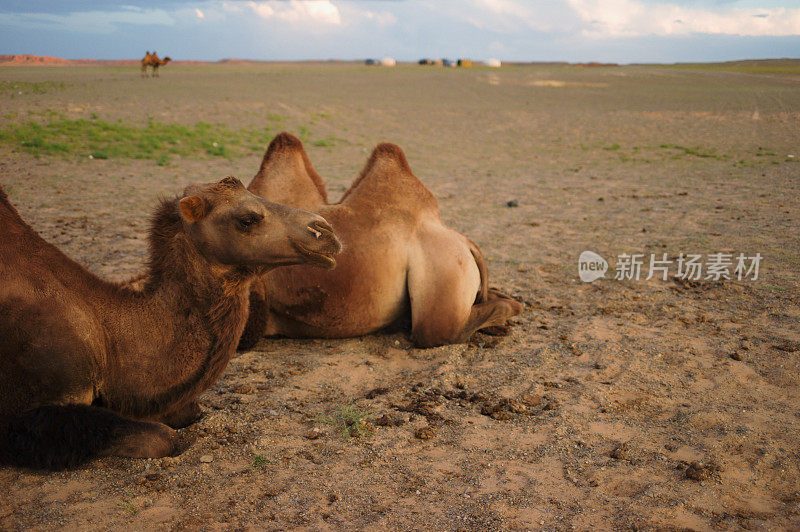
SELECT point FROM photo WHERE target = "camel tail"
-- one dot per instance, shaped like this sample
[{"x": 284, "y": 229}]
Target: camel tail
[
  {"x": 57, "y": 437},
  {"x": 481, "y": 262}
]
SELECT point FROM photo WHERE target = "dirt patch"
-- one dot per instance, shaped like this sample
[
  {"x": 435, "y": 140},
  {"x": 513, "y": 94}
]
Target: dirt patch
[{"x": 615, "y": 404}]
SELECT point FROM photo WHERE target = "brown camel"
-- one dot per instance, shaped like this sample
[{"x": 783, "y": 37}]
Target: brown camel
[
  {"x": 90, "y": 368},
  {"x": 152, "y": 60},
  {"x": 398, "y": 259}
]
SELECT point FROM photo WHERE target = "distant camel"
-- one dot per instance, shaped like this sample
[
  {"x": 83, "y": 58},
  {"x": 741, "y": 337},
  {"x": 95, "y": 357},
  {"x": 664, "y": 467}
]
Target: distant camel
[
  {"x": 399, "y": 259},
  {"x": 152, "y": 60},
  {"x": 90, "y": 368}
]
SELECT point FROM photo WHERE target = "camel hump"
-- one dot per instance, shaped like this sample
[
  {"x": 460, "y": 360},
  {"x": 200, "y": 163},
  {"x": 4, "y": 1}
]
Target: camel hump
[
  {"x": 286, "y": 173},
  {"x": 387, "y": 177},
  {"x": 283, "y": 142},
  {"x": 388, "y": 155}
]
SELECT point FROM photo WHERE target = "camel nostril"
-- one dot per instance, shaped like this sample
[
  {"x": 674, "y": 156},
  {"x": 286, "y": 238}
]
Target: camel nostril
[
  {"x": 319, "y": 227},
  {"x": 316, "y": 233}
]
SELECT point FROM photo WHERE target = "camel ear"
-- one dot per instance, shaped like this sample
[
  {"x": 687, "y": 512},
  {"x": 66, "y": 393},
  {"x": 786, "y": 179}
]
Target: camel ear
[{"x": 193, "y": 208}]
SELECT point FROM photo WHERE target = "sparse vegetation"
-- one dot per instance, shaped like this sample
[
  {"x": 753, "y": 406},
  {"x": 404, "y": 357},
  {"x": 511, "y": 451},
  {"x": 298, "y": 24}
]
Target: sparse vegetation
[
  {"x": 98, "y": 139},
  {"x": 16, "y": 88},
  {"x": 261, "y": 461},
  {"x": 349, "y": 420},
  {"x": 127, "y": 506},
  {"x": 697, "y": 151}
]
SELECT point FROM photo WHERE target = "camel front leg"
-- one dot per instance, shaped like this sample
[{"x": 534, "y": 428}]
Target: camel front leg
[
  {"x": 183, "y": 416},
  {"x": 145, "y": 439},
  {"x": 62, "y": 436}
]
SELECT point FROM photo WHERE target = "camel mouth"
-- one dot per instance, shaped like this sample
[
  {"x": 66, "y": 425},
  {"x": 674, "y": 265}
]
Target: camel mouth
[
  {"x": 325, "y": 245},
  {"x": 321, "y": 259}
]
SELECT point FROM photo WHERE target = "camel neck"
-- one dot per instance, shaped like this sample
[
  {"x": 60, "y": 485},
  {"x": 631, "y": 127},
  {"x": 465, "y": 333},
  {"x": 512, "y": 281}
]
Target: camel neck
[{"x": 185, "y": 327}]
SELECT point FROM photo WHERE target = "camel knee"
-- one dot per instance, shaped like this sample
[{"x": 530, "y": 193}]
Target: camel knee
[{"x": 429, "y": 334}]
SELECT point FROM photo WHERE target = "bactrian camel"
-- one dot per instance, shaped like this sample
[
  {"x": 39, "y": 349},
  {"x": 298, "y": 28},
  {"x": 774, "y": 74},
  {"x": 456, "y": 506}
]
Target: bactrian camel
[
  {"x": 152, "y": 61},
  {"x": 399, "y": 259},
  {"x": 89, "y": 368}
]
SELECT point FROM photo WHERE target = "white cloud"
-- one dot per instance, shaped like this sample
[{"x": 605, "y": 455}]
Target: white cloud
[
  {"x": 384, "y": 18},
  {"x": 97, "y": 22},
  {"x": 199, "y": 14},
  {"x": 509, "y": 16},
  {"x": 628, "y": 18},
  {"x": 298, "y": 11}
]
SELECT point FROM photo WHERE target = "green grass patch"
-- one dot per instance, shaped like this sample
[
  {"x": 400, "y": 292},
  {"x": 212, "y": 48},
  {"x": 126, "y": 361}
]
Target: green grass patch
[
  {"x": 98, "y": 139},
  {"x": 329, "y": 141},
  {"x": 16, "y": 88},
  {"x": 260, "y": 461},
  {"x": 697, "y": 151},
  {"x": 349, "y": 420}
]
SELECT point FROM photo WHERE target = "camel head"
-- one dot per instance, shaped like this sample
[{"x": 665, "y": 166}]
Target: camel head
[
  {"x": 232, "y": 226},
  {"x": 166, "y": 60}
]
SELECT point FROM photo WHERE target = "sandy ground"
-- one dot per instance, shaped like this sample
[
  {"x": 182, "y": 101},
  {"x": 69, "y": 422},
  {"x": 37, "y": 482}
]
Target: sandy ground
[{"x": 616, "y": 404}]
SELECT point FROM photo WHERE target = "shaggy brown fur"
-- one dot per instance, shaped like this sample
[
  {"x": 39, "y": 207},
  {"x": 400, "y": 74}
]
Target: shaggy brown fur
[
  {"x": 399, "y": 258},
  {"x": 152, "y": 61},
  {"x": 69, "y": 339}
]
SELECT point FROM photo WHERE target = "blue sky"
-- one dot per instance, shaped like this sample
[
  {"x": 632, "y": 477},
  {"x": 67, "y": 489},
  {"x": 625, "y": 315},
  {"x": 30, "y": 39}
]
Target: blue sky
[{"x": 512, "y": 30}]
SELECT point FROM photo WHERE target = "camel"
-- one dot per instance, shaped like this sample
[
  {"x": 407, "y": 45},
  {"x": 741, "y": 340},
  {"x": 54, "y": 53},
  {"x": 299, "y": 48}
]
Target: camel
[
  {"x": 91, "y": 368},
  {"x": 152, "y": 60},
  {"x": 399, "y": 259}
]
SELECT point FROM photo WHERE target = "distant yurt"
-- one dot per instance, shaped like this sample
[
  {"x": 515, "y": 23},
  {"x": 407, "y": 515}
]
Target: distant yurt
[
  {"x": 388, "y": 61},
  {"x": 425, "y": 62},
  {"x": 447, "y": 63},
  {"x": 466, "y": 63},
  {"x": 493, "y": 63},
  {"x": 437, "y": 62},
  {"x": 371, "y": 62}
]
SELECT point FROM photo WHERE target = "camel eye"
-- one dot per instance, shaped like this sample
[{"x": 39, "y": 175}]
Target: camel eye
[{"x": 247, "y": 221}]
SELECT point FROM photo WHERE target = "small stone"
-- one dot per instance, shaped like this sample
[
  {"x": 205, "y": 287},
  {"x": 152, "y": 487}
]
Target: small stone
[
  {"x": 517, "y": 407},
  {"x": 477, "y": 398},
  {"x": 169, "y": 461},
  {"x": 699, "y": 471},
  {"x": 389, "y": 421},
  {"x": 274, "y": 490},
  {"x": 244, "y": 389},
  {"x": 512, "y": 203},
  {"x": 531, "y": 399},
  {"x": 619, "y": 452},
  {"x": 313, "y": 434},
  {"x": 375, "y": 392},
  {"x": 736, "y": 356},
  {"x": 206, "y": 459},
  {"x": 501, "y": 415},
  {"x": 551, "y": 405},
  {"x": 425, "y": 433}
]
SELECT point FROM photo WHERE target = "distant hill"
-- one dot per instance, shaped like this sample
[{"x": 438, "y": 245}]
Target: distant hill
[{"x": 34, "y": 60}]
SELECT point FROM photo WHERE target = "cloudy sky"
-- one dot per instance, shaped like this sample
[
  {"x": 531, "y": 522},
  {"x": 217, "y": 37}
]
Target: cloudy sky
[{"x": 518, "y": 30}]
